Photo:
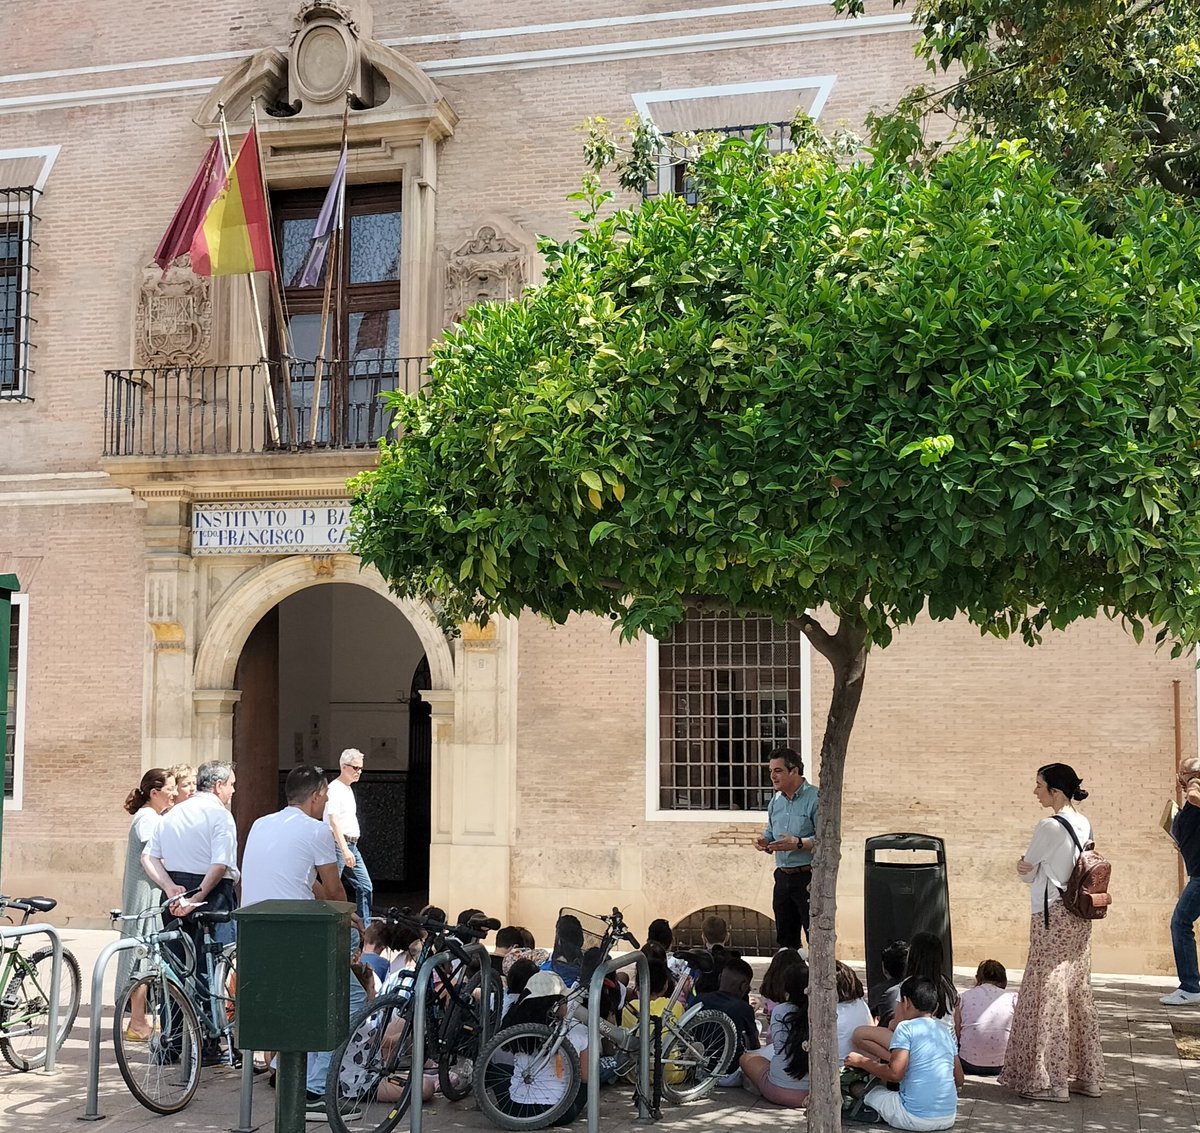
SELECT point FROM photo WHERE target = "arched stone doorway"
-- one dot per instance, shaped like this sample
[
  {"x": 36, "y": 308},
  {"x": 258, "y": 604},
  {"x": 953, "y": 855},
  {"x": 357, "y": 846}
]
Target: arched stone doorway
[{"x": 304, "y": 657}]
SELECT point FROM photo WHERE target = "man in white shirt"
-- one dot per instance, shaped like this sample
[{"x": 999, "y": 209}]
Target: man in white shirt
[
  {"x": 290, "y": 855},
  {"x": 341, "y": 812},
  {"x": 194, "y": 847}
]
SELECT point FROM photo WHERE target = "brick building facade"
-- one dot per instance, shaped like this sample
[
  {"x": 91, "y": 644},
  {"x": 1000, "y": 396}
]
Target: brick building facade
[{"x": 525, "y": 766}]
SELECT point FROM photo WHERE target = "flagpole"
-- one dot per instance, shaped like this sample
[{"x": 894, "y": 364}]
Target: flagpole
[
  {"x": 332, "y": 266},
  {"x": 263, "y": 360},
  {"x": 285, "y": 369}
]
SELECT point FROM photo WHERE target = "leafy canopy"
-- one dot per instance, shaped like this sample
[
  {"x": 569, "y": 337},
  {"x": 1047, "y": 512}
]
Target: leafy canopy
[
  {"x": 865, "y": 387},
  {"x": 1107, "y": 89}
]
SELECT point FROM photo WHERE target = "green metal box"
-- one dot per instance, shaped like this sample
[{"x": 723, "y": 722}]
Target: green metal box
[{"x": 293, "y": 975}]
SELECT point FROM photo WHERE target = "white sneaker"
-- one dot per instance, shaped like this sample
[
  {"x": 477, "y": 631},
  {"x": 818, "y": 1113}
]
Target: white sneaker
[{"x": 1179, "y": 997}]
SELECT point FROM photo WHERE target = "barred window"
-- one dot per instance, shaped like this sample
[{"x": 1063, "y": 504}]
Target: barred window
[
  {"x": 673, "y": 164},
  {"x": 729, "y": 690},
  {"x": 14, "y": 721},
  {"x": 16, "y": 289}
]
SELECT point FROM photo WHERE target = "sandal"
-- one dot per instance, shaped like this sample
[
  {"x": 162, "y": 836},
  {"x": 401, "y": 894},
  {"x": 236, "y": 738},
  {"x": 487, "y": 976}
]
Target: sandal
[
  {"x": 131, "y": 1036},
  {"x": 1062, "y": 1096}
]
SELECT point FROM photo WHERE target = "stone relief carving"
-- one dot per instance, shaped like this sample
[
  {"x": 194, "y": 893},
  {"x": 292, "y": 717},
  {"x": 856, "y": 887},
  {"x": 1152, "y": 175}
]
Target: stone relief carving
[
  {"x": 173, "y": 323},
  {"x": 488, "y": 268}
]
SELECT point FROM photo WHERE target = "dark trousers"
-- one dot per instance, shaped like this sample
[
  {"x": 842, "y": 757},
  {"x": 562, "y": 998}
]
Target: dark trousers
[
  {"x": 220, "y": 899},
  {"x": 791, "y": 907}
]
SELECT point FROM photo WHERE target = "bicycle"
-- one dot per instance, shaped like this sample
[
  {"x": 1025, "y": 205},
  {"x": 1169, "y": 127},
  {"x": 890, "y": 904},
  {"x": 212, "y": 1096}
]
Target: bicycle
[
  {"x": 369, "y": 1083},
  {"x": 25, "y": 993},
  {"x": 192, "y": 1014},
  {"x": 516, "y": 1090}
]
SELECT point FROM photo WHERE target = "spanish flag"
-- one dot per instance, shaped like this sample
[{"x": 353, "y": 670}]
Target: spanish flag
[{"x": 235, "y": 237}]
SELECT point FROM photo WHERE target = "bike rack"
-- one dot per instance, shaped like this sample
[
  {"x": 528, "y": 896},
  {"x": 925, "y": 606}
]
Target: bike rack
[
  {"x": 96, "y": 1020},
  {"x": 421, "y": 996},
  {"x": 645, "y": 1114},
  {"x": 15, "y": 931}
]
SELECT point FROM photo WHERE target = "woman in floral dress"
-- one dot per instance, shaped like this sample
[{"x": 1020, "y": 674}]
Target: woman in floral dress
[{"x": 1054, "y": 1046}]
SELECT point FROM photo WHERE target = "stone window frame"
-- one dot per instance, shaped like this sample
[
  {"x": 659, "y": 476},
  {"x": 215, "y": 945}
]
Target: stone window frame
[
  {"x": 14, "y": 779},
  {"x": 655, "y": 811}
]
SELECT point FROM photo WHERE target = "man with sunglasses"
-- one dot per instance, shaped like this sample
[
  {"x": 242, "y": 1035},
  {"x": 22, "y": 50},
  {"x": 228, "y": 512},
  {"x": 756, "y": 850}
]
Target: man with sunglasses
[
  {"x": 341, "y": 812},
  {"x": 1185, "y": 832}
]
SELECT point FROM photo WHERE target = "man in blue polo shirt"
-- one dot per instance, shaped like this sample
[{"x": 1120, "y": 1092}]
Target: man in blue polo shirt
[{"x": 790, "y": 835}]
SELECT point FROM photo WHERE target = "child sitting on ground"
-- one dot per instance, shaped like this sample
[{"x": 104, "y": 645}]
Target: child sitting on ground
[
  {"x": 983, "y": 1019},
  {"x": 733, "y": 998},
  {"x": 783, "y": 1078},
  {"x": 773, "y": 989},
  {"x": 921, "y": 1059},
  {"x": 894, "y": 960},
  {"x": 852, "y": 1009}
]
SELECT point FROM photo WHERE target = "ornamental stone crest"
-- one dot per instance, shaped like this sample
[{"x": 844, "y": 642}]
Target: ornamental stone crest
[
  {"x": 490, "y": 267},
  {"x": 173, "y": 323}
]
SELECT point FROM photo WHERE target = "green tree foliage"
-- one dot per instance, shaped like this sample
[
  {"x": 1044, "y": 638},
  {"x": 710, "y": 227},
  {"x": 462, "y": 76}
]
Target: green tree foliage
[
  {"x": 1107, "y": 89},
  {"x": 861, "y": 388},
  {"x": 866, "y": 390}
]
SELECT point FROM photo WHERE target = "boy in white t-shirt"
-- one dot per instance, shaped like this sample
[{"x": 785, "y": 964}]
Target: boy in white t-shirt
[{"x": 922, "y": 1060}]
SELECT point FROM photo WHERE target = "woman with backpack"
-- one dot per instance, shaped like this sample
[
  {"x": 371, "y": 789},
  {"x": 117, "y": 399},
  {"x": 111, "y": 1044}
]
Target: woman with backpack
[{"x": 1054, "y": 1045}]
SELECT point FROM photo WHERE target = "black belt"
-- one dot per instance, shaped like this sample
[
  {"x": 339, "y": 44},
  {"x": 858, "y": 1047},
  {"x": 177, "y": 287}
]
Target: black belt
[
  {"x": 351, "y": 841},
  {"x": 794, "y": 868}
]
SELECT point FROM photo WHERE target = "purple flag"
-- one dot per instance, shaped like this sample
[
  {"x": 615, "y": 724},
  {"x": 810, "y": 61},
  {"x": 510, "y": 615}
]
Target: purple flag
[
  {"x": 329, "y": 221},
  {"x": 206, "y": 184}
]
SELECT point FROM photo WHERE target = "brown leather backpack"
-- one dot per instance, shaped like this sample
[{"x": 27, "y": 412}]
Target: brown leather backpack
[{"x": 1086, "y": 894}]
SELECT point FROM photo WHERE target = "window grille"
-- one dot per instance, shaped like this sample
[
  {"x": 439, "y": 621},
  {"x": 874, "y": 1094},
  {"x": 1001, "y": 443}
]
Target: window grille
[
  {"x": 15, "y": 684},
  {"x": 729, "y": 692},
  {"x": 16, "y": 289},
  {"x": 673, "y": 164},
  {"x": 750, "y": 932}
]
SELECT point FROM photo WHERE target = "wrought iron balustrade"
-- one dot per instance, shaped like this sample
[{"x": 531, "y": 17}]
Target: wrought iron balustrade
[{"x": 219, "y": 410}]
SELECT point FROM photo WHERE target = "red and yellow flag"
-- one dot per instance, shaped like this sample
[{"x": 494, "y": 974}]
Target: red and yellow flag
[{"x": 235, "y": 237}]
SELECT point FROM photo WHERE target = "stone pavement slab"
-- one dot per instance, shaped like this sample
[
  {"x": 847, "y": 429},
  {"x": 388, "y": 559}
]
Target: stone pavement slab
[{"x": 1150, "y": 1089}]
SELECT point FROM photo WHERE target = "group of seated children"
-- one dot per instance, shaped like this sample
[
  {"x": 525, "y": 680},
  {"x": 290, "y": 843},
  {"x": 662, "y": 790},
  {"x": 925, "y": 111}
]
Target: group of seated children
[{"x": 919, "y": 1036}]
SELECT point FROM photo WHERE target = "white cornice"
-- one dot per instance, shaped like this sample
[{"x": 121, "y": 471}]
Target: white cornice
[
  {"x": 519, "y": 30},
  {"x": 587, "y": 54}
]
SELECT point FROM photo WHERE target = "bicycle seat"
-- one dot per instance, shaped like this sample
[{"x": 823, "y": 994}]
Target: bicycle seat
[
  {"x": 42, "y": 904},
  {"x": 216, "y": 916},
  {"x": 699, "y": 958}
]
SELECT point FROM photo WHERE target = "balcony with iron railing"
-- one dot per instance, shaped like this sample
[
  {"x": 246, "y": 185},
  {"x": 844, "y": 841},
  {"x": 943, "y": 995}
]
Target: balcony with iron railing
[{"x": 203, "y": 411}]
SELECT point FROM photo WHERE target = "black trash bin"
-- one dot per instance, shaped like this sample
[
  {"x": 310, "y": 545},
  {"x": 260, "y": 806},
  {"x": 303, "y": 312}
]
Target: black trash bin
[{"x": 904, "y": 892}]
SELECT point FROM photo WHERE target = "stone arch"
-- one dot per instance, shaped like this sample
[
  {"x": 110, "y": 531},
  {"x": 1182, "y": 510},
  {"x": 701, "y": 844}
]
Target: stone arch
[{"x": 244, "y": 603}]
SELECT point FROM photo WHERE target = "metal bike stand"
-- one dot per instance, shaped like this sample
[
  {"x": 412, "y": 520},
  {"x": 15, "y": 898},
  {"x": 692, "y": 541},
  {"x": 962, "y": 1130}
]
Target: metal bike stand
[
  {"x": 420, "y": 997},
  {"x": 12, "y": 933},
  {"x": 245, "y": 1111},
  {"x": 645, "y": 1114},
  {"x": 122, "y": 944}
]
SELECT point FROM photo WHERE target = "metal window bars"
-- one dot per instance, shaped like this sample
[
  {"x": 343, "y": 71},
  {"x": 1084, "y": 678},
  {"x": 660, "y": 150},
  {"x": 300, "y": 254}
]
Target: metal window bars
[
  {"x": 729, "y": 692},
  {"x": 17, "y": 272},
  {"x": 673, "y": 164}
]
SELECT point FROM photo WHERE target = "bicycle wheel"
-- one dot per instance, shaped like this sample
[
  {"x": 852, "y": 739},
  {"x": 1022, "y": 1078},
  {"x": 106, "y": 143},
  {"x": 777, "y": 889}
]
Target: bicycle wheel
[
  {"x": 696, "y": 1054},
  {"x": 527, "y": 1076},
  {"x": 163, "y": 1071},
  {"x": 25, "y": 1009},
  {"x": 368, "y": 1086}
]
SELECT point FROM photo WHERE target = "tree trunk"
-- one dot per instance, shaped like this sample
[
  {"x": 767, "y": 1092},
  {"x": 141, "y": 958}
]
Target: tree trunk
[{"x": 846, "y": 652}]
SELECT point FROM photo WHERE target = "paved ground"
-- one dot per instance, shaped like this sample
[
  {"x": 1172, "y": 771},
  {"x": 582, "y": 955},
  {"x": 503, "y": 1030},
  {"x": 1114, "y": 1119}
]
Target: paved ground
[{"x": 1149, "y": 1089}]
